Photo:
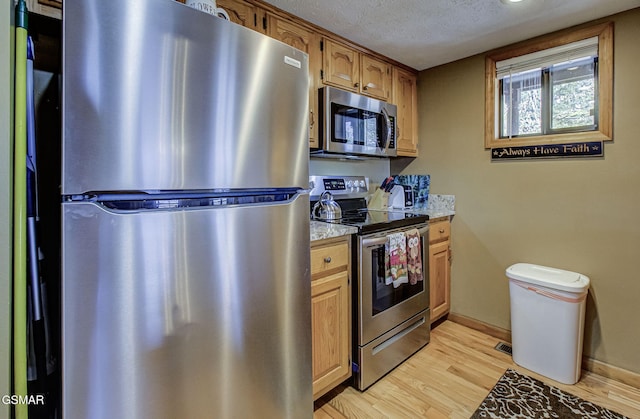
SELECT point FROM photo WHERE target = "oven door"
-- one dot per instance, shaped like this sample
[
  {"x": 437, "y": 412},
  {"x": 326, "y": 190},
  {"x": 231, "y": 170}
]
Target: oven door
[{"x": 382, "y": 307}]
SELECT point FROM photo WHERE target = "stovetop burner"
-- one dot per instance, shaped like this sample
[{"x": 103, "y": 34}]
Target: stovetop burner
[
  {"x": 364, "y": 215},
  {"x": 371, "y": 221}
]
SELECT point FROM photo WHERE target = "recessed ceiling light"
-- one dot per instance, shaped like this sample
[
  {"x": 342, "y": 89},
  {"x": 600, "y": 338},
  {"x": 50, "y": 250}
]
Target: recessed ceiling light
[{"x": 510, "y": 1}]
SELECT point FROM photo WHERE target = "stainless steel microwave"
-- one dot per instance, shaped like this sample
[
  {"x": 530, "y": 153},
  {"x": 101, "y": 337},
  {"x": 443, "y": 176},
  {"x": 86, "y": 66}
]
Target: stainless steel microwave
[{"x": 356, "y": 125}]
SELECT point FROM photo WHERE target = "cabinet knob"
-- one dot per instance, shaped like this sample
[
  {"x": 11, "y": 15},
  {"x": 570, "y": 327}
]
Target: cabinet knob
[
  {"x": 312, "y": 121},
  {"x": 365, "y": 87},
  {"x": 441, "y": 230},
  {"x": 356, "y": 85},
  {"x": 327, "y": 259}
]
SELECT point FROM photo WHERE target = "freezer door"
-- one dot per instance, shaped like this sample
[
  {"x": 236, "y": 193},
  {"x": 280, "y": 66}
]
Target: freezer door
[
  {"x": 200, "y": 313},
  {"x": 160, "y": 96}
]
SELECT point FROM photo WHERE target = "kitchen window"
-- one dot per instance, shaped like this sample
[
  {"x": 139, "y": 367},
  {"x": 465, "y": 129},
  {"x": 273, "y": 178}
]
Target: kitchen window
[{"x": 552, "y": 89}]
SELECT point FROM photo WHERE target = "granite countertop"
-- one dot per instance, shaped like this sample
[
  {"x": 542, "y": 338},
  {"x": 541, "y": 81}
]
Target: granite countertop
[
  {"x": 438, "y": 206},
  {"x": 433, "y": 215},
  {"x": 321, "y": 230}
]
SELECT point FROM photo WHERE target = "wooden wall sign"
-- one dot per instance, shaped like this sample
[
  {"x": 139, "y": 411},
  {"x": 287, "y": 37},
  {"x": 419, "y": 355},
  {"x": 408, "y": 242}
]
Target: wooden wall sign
[{"x": 549, "y": 151}]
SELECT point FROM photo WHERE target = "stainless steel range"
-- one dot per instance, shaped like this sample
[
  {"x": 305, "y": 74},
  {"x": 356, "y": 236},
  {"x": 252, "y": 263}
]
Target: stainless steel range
[{"x": 391, "y": 311}]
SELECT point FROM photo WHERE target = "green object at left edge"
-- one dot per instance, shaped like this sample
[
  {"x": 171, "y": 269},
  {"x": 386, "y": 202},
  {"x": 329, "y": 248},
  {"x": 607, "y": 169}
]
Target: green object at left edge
[{"x": 22, "y": 15}]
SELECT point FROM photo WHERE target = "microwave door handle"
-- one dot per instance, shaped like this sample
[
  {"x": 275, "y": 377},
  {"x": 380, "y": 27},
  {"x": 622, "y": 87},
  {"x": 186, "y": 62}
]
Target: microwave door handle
[{"x": 387, "y": 123}]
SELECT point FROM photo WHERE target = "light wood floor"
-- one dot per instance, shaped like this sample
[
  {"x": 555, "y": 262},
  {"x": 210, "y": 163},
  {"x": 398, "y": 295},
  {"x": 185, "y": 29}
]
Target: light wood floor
[{"x": 451, "y": 376}]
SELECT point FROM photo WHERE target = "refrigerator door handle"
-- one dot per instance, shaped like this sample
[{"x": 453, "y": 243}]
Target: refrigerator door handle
[{"x": 140, "y": 202}]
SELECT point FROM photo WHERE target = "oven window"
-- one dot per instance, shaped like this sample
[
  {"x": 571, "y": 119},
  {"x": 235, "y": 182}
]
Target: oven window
[
  {"x": 356, "y": 126},
  {"x": 386, "y": 296}
]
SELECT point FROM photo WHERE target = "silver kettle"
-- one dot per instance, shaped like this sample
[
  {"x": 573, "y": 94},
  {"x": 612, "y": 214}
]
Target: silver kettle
[{"x": 326, "y": 208}]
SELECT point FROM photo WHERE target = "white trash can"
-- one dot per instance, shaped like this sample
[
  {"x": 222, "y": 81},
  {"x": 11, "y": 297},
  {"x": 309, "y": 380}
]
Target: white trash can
[{"x": 547, "y": 320}]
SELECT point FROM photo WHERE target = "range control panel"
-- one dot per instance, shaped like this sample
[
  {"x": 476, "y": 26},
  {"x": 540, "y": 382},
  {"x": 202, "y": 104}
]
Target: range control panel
[{"x": 339, "y": 186}]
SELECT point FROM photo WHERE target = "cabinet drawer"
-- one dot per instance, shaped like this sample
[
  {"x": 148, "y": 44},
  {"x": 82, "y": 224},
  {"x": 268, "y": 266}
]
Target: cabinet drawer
[
  {"x": 439, "y": 231},
  {"x": 325, "y": 258}
]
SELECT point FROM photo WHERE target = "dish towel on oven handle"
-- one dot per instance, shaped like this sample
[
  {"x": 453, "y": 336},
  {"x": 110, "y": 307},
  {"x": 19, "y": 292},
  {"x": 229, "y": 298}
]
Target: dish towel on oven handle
[
  {"x": 396, "y": 259},
  {"x": 414, "y": 256}
]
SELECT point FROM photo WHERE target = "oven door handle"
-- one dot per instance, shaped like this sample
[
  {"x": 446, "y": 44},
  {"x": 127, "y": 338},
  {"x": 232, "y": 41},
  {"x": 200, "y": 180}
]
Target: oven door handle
[
  {"x": 373, "y": 241},
  {"x": 381, "y": 238}
]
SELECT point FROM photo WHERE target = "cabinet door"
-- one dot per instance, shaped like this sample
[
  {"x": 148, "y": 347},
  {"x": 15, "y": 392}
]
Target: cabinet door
[
  {"x": 51, "y": 8},
  {"x": 375, "y": 77},
  {"x": 243, "y": 13},
  {"x": 439, "y": 277},
  {"x": 341, "y": 66},
  {"x": 53, "y": 3},
  {"x": 305, "y": 40},
  {"x": 315, "y": 67},
  {"x": 330, "y": 319},
  {"x": 405, "y": 96},
  {"x": 289, "y": 33}
]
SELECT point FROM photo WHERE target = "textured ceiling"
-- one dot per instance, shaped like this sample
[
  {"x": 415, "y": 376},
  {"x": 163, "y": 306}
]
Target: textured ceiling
[{"x": 427, "y": 33}]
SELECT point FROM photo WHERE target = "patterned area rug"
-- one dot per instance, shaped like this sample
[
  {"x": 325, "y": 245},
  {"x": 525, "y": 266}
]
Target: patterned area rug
[{"x": 518, "y": 396}]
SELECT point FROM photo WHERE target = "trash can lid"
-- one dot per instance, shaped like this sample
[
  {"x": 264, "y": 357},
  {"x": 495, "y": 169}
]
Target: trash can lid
[{"x": 549, "y": 277}]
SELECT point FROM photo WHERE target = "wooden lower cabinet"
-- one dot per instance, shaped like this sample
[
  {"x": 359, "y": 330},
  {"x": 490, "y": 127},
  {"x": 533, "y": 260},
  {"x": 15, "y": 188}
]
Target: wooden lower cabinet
[
  {"x": 330, "y": 313},
  {"x": 439, "y": 269}
]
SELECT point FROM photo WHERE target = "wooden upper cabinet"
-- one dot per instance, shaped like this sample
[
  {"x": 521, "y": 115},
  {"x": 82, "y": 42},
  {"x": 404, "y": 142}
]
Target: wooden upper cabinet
[
  {"x": 405, "y": 97},
  {"x": 341, "y": 66},
  {"x": 375, "y": 77},
  {"x": 305, "y": 40},
  {"x": 289, "y": 33},
  {"x": 244, "y": 14},
  {"x": 351, "y": 70},
  {"x": 51, "y": 8},
  {"x": 330, "y": 62},
  {"x": 315, "y": 67},
  {"x": 53, "y": 3},
  {"x": 239, "y": 12}
]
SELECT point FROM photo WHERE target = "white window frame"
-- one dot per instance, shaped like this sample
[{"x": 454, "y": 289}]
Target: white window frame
[{"x": 604, "y": 132}]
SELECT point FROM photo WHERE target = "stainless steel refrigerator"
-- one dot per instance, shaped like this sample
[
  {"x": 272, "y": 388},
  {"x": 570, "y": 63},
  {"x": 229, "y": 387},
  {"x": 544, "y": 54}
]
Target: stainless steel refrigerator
[{"x": 185, "y": 219}]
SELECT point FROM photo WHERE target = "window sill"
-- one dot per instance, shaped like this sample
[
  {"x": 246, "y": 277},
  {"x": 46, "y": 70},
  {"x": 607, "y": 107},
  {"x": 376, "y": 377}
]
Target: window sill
[{"x": 574, "y": 137}]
